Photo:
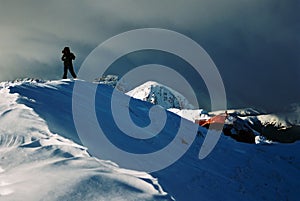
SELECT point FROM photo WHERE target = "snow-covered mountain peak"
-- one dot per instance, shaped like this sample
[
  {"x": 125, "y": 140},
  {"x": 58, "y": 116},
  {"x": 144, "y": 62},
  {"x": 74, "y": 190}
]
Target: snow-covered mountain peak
[{"x": 160, "y": 94}]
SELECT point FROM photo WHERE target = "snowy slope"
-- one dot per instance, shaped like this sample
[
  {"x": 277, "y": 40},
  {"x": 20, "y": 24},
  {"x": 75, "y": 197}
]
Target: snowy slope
[
  {"x": 159, "y": 94},
  {"x": 55, "y": 168},
  {"x": 190, "y": 115},
  {"x": 37, "y": 164}
]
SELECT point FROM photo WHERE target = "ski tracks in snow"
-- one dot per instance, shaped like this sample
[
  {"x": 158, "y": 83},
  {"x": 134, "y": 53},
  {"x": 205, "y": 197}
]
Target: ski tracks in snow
[{"x": 4, "y": 186}]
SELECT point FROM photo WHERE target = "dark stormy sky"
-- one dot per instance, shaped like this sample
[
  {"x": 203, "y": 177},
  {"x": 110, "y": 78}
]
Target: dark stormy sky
[{"x": 254, "y": 43}]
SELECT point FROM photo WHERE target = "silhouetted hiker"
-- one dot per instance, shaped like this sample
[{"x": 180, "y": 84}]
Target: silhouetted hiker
[{"x": 67, "y": 57}]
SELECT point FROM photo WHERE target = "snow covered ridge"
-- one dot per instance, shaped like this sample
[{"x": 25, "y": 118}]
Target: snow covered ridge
[
  {"x": 41, "y": 161},
  {"x": 37, "y": 164},
  {"x": 159, "y": 94}
]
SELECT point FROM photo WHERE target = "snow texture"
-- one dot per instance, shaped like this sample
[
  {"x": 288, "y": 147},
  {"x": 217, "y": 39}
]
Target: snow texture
[
  {"x": 159, "y": 94},
  {"x": 37, "y": 164},
  {"x": 42, "y": 157}
]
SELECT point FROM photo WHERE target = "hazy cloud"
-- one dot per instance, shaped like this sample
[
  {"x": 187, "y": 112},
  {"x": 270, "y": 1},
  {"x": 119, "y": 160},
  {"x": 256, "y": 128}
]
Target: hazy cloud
[{"x": 255, "y": 44}]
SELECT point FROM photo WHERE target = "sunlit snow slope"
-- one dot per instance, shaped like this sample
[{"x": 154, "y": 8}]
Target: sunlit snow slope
[
  {"x": 37, "y": 164},
  {"x": 42, "y": 157},
  {"x": 159, "y": 94}
]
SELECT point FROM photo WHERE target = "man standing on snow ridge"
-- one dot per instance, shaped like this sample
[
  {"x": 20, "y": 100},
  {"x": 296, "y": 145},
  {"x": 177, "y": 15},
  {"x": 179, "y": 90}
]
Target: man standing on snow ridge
[{"x": 67, "y": 57}]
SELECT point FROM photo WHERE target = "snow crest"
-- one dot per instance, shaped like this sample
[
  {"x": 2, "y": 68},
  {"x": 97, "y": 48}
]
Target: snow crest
[
  {"x": 37, "y": 164},
  {"x": 41, "y": 160},
  {"x": 159, "y": 94}
]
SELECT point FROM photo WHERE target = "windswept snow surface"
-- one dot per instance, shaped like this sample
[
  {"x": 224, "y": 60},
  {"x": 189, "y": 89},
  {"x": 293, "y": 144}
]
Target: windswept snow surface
[
  {"x": 42, "y": 158},
  {"x": 37, "y": 164}
]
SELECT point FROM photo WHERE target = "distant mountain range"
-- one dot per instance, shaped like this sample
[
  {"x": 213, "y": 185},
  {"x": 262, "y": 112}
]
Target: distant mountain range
[{"x": 282, "y": 127}]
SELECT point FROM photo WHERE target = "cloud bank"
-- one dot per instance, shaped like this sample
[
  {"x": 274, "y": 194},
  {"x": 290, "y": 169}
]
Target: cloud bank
[{"x": 255, "y": 44}]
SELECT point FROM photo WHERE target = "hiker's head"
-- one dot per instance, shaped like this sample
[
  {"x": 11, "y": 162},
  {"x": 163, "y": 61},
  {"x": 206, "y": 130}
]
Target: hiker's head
[{"x": 66, "y": 50}]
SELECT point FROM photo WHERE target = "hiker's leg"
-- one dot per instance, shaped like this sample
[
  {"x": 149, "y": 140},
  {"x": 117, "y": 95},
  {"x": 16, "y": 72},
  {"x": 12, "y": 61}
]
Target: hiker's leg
[
  {"x": 71, "y": 69},
  {"x": 65, "y": 72}
]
